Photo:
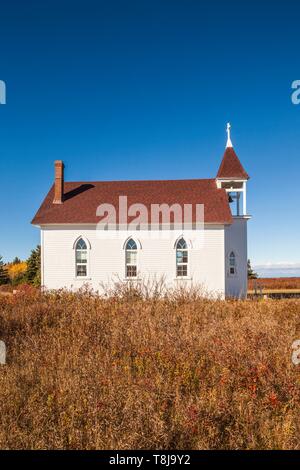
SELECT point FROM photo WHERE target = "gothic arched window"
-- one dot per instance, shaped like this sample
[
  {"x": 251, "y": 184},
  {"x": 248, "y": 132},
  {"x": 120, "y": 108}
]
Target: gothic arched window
[
  {"x": 131, "y": 258},
  {"x": 81, "y": 258},
  {"x": 181, "y": 258},
  {"x": 232, "y": 263}
]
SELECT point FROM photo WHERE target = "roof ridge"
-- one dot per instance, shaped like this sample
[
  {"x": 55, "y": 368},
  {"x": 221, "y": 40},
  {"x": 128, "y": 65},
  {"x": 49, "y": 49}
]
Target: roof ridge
[{"x": 139, "y": 181}]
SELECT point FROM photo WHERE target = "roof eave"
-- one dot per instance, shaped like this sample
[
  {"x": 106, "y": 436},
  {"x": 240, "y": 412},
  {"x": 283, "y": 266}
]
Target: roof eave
[{"x": 230, "y": 178}]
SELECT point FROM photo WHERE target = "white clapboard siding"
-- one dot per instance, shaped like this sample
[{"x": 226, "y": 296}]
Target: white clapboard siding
[
  {"x": 156, "y": 257},
  {"x": 236, "y": 241}
]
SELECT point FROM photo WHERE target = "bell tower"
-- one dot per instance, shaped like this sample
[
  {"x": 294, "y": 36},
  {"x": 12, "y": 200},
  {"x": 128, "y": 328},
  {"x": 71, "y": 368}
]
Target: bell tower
[{"x": 233, "y": 178}]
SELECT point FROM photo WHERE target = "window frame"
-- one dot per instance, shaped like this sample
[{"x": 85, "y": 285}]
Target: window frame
[
  {"x": 232, "y": 255},
  {"x": 131, "y": 265},
  {"x": 182, "y": 264},
  {"x": 87, "y": 263}
]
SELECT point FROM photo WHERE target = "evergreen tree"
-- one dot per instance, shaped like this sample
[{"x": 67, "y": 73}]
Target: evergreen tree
[
  {"x": 33, "y": 272},
  {"x": 251, "y": 274},
  {"x": 4, "y": 278},
  {"x": 16, "y": 260}
]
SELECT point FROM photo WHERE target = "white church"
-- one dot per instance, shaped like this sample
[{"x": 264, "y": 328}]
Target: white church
[{"x": 209, "y": 252}]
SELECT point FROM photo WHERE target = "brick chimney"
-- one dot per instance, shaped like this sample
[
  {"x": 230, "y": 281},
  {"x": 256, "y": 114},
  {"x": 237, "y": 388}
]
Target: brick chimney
[{"x": 59, "y": 182}]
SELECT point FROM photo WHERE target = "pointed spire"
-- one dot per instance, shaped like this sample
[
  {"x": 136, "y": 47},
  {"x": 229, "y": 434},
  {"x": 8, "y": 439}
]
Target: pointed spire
[
  {"x": 229, "y": 143},
  {"x": 231, "y": 166}
]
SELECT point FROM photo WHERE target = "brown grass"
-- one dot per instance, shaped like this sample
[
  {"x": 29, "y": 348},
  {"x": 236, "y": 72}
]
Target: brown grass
[
  {"x": 275, "y": 283},
  {"x": 121, "y": 372}
]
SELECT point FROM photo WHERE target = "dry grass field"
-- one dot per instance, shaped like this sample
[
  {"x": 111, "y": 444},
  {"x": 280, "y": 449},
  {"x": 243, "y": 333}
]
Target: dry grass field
[
  {"x": 276, "y": 283},
  {"x": 125, "y": 372}
]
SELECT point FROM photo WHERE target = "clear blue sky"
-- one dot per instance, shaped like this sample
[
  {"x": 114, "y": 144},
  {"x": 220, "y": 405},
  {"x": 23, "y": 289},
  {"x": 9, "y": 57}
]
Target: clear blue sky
[{"x": 143, "y": 90}]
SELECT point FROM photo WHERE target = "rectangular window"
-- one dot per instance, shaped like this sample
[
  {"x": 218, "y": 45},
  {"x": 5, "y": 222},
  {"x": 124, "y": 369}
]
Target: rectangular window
[
  {"x": 232, "y": 264},
  {"x": 81, "y": 256},
  {"x": 131, "y": 271},
  {"x": 182, "y": 257},
  {"x": 181, "y": 270},
  {"x": 81, "y": 270},
  {"x": 131, "y": 257}
]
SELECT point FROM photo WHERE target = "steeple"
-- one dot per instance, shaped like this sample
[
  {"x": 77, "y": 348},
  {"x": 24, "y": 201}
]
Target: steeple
[
  {"x": 233, "y": 178},
  {"x": 231, "y": 167}
]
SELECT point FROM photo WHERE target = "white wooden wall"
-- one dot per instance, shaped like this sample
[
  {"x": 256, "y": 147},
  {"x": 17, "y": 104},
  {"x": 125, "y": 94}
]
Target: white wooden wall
[
  {"x": 156, "y": 258},
  {"x": 236, "y": 241}
]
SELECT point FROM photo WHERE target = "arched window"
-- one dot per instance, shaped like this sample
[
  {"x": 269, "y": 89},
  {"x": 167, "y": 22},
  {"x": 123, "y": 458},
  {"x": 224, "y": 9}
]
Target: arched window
[
  {"x": 131, "y": 258},
  {"x": 81, "y": 258},
  {"x": 232, "y": 263},
  {"x": 181, "y": 258}
]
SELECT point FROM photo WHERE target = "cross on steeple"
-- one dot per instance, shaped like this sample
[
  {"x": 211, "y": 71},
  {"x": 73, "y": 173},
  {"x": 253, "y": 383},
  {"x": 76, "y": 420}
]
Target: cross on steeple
[{"x": 229, "y": 143}]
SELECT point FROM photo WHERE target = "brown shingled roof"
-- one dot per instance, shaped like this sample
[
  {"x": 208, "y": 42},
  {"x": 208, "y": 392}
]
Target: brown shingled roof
[
  {"x": 81, "y": 199},
  {"x": 231, "y": 166}
]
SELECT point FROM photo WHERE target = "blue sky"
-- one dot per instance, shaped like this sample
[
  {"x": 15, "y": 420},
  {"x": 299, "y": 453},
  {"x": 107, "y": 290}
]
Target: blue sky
[{"x": 143, "y": 90}]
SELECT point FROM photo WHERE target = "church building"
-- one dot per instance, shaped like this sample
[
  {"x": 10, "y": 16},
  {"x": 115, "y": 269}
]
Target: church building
[{"x": 209, "y": 252}]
